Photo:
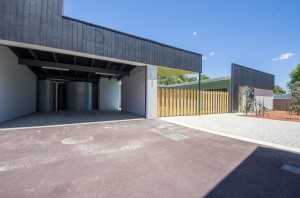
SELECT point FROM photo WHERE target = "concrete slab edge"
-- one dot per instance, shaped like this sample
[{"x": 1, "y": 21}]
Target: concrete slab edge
[
  {"x": 73, "y": 124},
  {"x": 264, "y": 143}
]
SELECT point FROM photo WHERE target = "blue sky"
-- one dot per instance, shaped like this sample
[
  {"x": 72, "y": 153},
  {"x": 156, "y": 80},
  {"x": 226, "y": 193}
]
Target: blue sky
[{"x": 261, "y": 34}]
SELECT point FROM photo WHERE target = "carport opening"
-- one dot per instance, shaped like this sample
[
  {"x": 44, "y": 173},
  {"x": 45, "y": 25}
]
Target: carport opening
[{"x": 69, "y": 89}]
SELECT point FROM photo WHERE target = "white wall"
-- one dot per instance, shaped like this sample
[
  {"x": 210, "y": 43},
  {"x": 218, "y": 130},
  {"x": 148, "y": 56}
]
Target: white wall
[
  {"x": 264, "y": 95},
  {"x": 18, "y": 87},
  {"x": 136, "y": 87},
  {"x": 109, "y": 94},
  {"x": 151, "y": 107},
  {"x": 133, "y": 92}
]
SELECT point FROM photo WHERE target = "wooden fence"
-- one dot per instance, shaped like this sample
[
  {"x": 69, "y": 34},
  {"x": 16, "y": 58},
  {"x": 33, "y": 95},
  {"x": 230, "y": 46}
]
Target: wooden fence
[
  {"x": 282, "y": 104},
  {"x": 179, "y": 102}
]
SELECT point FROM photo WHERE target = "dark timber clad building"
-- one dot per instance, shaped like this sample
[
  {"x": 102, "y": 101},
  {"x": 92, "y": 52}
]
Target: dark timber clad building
[
  {"x": 51, "y": 62},
  {"x": 261, "y": 81}
]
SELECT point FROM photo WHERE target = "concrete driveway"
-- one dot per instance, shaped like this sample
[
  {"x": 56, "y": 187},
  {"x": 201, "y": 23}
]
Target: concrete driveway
[
  {"x": 55, "y": 118},
  {"x": 146, "y": 158},
  {"x": 278, "y": 134}
]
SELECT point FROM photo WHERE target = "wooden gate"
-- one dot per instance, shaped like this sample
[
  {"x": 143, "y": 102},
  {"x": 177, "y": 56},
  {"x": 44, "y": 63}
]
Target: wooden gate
[{"x": 180, "y": 102}]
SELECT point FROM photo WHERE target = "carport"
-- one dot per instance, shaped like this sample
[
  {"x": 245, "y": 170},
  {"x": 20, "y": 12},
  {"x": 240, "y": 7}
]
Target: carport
[
  {"x": 67, "y": 88},
  {"x": 53, "y": 66}
]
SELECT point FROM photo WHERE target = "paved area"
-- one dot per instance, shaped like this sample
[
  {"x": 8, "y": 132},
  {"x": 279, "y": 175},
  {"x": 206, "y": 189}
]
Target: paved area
[
  {"x": 145, "y": 158},
  {"x": 283, "y": 134},
  {"x": 66, "y": 117}
]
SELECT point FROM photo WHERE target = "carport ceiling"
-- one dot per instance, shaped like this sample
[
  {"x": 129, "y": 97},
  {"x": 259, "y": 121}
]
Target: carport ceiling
[{"x": 49, "y": 65}]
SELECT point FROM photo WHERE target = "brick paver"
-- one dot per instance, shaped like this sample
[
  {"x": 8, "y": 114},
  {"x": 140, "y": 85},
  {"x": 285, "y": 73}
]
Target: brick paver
[{"x": 284, "y": 133}]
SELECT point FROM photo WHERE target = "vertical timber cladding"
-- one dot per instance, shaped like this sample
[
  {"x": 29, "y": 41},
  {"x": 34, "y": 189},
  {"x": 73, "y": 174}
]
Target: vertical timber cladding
[
  {"x": 242, "y": 76},
  {"x": 40, "y": 22}
]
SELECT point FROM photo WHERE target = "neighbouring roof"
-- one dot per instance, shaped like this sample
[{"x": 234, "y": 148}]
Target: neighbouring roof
[
  {"x": 196, "y": 82},
  {"x": 282, "y": 97},
  {"x": 164, "y": 71}
]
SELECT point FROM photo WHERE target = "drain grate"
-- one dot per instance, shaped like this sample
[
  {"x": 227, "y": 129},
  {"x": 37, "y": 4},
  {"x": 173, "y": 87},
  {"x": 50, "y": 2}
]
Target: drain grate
[
  {"x": 291, "y": 168},
  {"x": 77, "y": 139},
  {"x": 176, "y": 136}
]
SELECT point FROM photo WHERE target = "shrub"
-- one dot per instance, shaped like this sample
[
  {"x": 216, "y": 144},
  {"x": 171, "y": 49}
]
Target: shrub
[
  {"x": 295, "y": 94},
  {"x": 251, "y": 104}
]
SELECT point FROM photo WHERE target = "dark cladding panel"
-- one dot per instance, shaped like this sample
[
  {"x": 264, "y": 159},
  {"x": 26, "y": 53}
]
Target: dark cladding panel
[
  {"x": 242, "y": 76},
  {"x": 70, "y": 32},
  {"x": 30, "y": 24},
  {"x": 84, "y": 38},
  {"x": 18, "y": 21},
  {"x": 37, "y": 23},
  {"x": 26, "y": 20},
  {"x": 105, "y": 43},
  {"x": 50, "y": 32},
  {"x": 54, "y": 23},
  {"x": 99, "y": 41},
  {"x": 6, "y": 19},
  {"x": 13, "y": 11},
  {"x": 79, "y": 37},
  {"x": 43, "y": 25},
  {"x": 114, "y": 53},
  {"x": 93, "y": 40},
  {"x": 65, "y": 35},
  {"x": 121, "y": 46},
  {"x": 1, "y": 20},
  {"x": 88, "y": 39},
  {"x": 75, "y": 35}
]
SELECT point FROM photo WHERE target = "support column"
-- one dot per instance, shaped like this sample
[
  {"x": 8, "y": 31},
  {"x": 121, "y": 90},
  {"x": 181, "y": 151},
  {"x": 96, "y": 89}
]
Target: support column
[{"x": 151, "y": 92}]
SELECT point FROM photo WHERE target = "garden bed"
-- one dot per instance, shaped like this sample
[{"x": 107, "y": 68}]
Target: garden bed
[{"x": 277, "y": 115}]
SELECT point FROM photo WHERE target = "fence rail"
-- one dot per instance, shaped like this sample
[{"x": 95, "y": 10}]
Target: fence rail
[{"x": 179, "y": 102}]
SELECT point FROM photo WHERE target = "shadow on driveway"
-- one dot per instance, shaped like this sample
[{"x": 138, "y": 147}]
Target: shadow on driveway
[{"x": 260, "y": 175}]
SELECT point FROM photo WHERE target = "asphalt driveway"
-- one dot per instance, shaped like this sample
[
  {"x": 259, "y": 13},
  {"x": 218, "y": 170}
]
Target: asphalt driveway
[{"x": 146, "y": 158}]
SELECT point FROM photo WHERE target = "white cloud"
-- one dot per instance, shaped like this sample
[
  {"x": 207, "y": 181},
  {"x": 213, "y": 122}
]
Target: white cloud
[
  {"x": 212, "y": 53},
  {"x": 204, "y": 58},
  {"x": 284, "y": 56},
  {"x": 194, "y": 33}
]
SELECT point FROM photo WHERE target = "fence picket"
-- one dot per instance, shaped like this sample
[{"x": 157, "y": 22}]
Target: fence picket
[
  {"x": 171, "y": 102},
  {"x": 158, "y": 102},
  {"x": 179, "y": 102},
  {"x": 167, "y": 103},
  {"x": 201, "y": 102}
]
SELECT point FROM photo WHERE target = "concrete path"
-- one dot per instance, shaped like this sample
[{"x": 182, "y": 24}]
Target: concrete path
[
  {"x": 279, "y": 134},
  {"x": 146, "y": 158}
]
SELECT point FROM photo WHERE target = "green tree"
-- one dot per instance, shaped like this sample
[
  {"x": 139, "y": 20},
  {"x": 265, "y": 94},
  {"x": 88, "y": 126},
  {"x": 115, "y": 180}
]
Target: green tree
[
  {"x": 295, "y": 74},
  {"x": 278, "y": 90},
  {"x": 176, "y": 79},
  {"x": 204, "y": 77},
  {"x": 191, "y": 79}
]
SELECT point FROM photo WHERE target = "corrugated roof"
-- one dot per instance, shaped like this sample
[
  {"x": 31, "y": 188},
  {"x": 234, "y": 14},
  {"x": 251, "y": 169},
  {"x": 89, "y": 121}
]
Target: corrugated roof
[
  {"x": 282, "y": 97},
  {"x": 196, "y": 82}
]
